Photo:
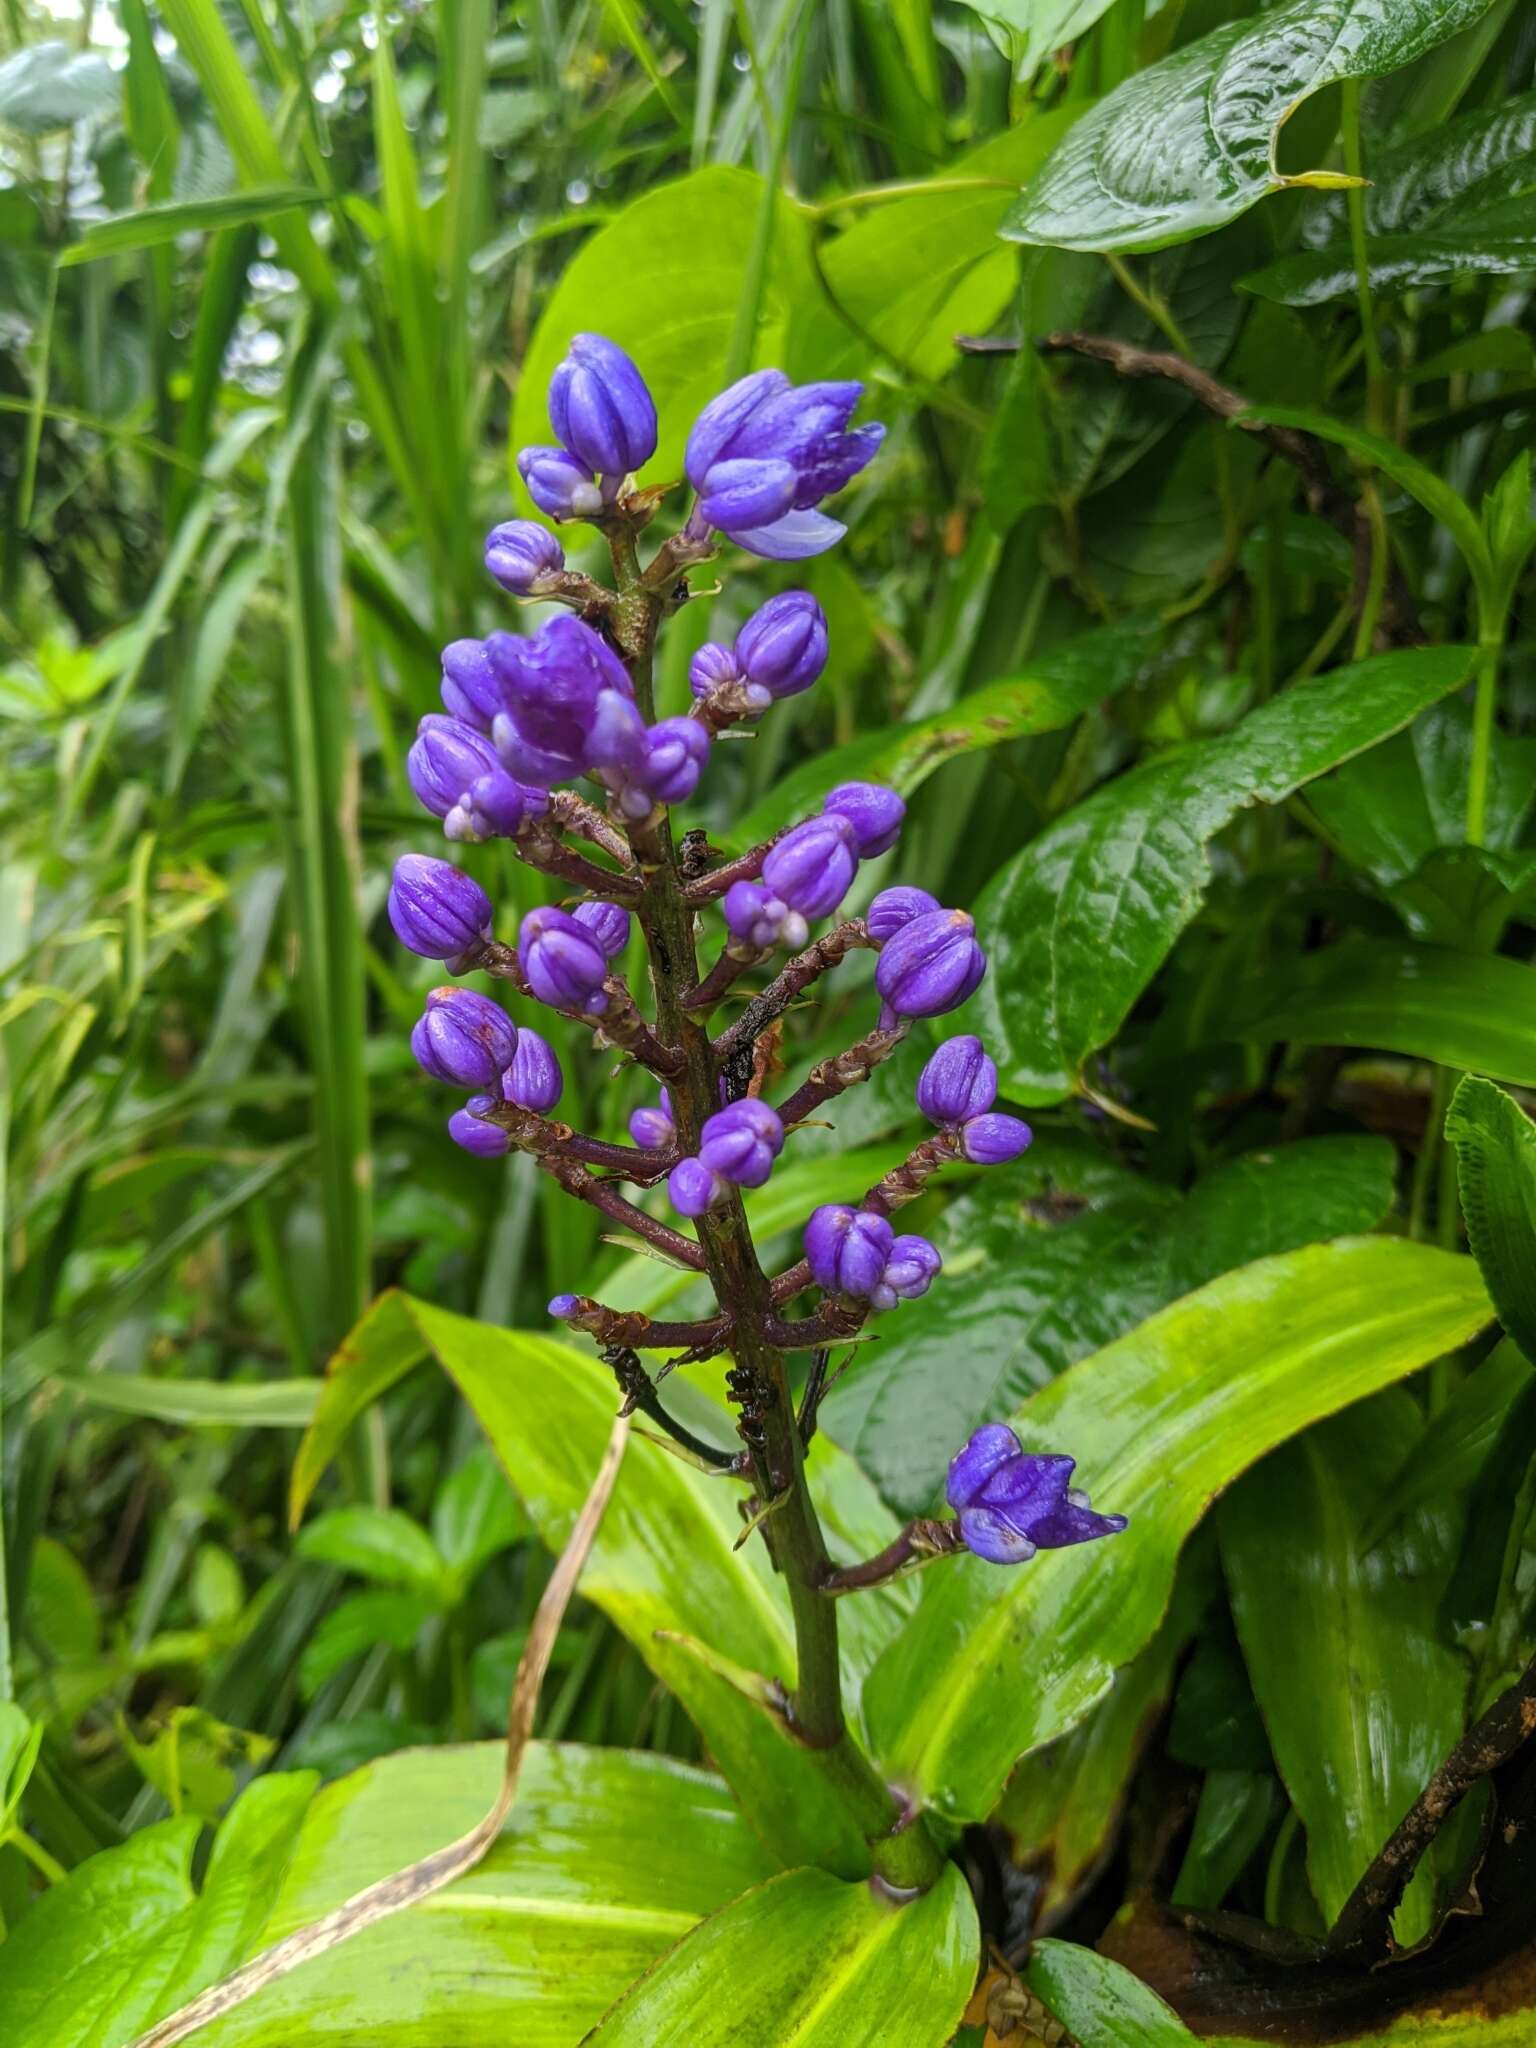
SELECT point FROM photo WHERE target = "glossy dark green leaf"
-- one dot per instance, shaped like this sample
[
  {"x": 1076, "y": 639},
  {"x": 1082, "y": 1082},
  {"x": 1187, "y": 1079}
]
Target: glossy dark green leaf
[
  {"x": 1099, "y": 2001},
  {"x": 608, "y": 1857},
  {"x": 1481, "y": 155},
  {"x": 1050, "y": 692},
  {"x": 1466, "y": 1430},
  {"x": 1472, "y": 1013},
  {"x": 1492, "y": 241},
  {"x": 996, "y": 1662},
  {"x": 1190, "y": 143},
  {"x": 1079, "y": 922},
  {"x": 1361, "y": 1690},
  {"x": 1231, "y": 1820},
  {"x": 1495, "y": 1144},
  {"x": 665, "y": 1557},
  {"x": 809, "y": 1961},
  {"x": 1029, "y": 1294},
  {"x": 128, "y": 1938}
]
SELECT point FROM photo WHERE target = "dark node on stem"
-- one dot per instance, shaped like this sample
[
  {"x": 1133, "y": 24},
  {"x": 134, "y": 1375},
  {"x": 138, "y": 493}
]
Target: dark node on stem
[{"x": 694, "y": 855}]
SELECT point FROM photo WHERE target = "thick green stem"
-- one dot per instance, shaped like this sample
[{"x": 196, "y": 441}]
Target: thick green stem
[{"x": 901, "y": 1848}]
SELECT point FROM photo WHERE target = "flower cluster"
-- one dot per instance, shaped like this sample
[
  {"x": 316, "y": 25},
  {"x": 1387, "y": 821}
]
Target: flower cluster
[{"x": 527, "y": 720}]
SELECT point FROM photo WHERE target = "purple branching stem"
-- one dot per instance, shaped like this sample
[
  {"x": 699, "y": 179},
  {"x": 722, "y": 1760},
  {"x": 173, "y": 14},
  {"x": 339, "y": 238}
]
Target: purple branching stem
[
  {"x": 906, "y": 1182},
  {"x": 838, "y": 1318},
  {"x": 600, "y": 1194},
  {"x": 734, "y": 961},
  {"x": 830, "y": 1077},
  {"x": 792, "y": 980},
  {"x": 531, "y": 1132},
  {"x": 790, "y": 1281},
  {"x": 632, "y": 1328},
  {"x": 922, "y": 1540},
  {"x": 572, "y": 813},
  {"x": 538, "y": 844},
  {"x": 746, "y": 867}
]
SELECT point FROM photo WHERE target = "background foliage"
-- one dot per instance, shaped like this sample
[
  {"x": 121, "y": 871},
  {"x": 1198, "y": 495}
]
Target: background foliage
[{"x": 1234, "y": 753}]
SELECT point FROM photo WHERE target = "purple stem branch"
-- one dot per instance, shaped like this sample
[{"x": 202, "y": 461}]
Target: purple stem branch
[
  {"x": 631, "y": 1329},
  {"x": 734, "y": 961},
  {"x": 795, "y": 977},
  {"x": 922, "y": 1540},
  {"x": 746, "y": 867}
]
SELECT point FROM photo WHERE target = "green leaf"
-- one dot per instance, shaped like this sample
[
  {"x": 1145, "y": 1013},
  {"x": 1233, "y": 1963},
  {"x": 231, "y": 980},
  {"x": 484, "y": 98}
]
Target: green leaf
[
  {"x": 665, "y": 1557},
  {"x": 1048, "y": 694},
  {"x": 1188, "y": 144},
  {"x": 910, "y": 275},
  {"x": 383, "y": 1544},
  {"x": 1028, "y": 1297},
  {"x": 682, "y": 251},
  {"x": 1466, "y": 1430},
  {"x": 1231, "y": 1820},
  {"x": 150, "y": 226},
  {"x": 126, "y": 1939},
  {"x": 1472, "y": 1013},
  {"x": 51, "y": 85},
  {"x": 201, "y": 1404},
  {"x": 609, "y": 1857},
  {"x": 1491, "y": 241},
  {"x": 996, "y": 1663},
  {"x": 20, "y": 1741},
  {"x": 365, "y": 1621},
  {"x": 1419, "y": 182},
  {"x": 1099, "y": 2001},
  {"x": 475, "y": 1515},
  {"x": 1361, "y": 1692},
  {"x": 1495, "y": 1145},
  {"x": 1078, "y": 923},
  {"x": 1028, "y": 31},
  {"x": 810, "y": 1963}
]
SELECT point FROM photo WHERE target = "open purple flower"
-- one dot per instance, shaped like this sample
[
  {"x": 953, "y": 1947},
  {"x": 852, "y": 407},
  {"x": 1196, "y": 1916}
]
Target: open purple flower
[
  {"x": 551, "y": 684},
  {"x": 1012, "y": 1502},
  {"x": 765, "y": 452}
]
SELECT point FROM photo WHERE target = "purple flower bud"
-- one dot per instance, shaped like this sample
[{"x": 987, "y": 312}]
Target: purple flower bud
[
  {"x": 600, "y": 408},
  {"x": 909, "y": 1272},
  {"x": 893, "y": 908},
  {"x": 551, "y": 686},
  {"x": 712, "y": 666},
  {"x": 464, "y": 1038},
  {"x": 782, "y": 648},
  {"x": 812, "y": 866},
  {"x": 654, "y": 1128},
  {"x": 672, "y": 760},
  {"x": 959, "y": 1081},
  {"x": 533, "y": 1080},
  {"x": 994, "y": 1139},
  {"x": 756, "y": 917},
  {"x": 875, "y": 813},
  {"x": 607, "y": 923},
  {"x": 446, "y": 757},
  {"x": 558, "y": 484},
  {"x": 494, "y": 806},
  {"x": 931, "y": 965},
  {"x": 764, "y": 452},
  {"x": 472, "y": 690},
  {"x": 1012, "y": 1502},
  {"x": 692, "y": 1188},
  {"x": 437, "y": 911},
  {"x": 565, "y": 965},
  {"x": 466, "y": 1128},
  {"x": 563, "y": 1306},
  {"x": 741, "y": 1142},
  {"x": 520, "y": 554},
  {"x": 848, "y": 1249}
]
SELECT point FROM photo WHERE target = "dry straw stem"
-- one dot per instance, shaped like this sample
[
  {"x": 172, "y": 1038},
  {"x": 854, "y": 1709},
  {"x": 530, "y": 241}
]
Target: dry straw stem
[{"x": 406, "y": 1887}]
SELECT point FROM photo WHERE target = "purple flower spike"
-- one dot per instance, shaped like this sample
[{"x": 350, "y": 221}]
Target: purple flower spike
[
  {"x": 533, "y": 1080},
  {"x": 486, "y": 1141},
  {"x": 756, "y": 917},
  {"x": 782, "y": 648},
  {"x": 654, "y": 1128},
  {"x": 893, "y": 908},
  {"x": 909, "y": 1271},
  {"x": 551, "y": 686},
  {"x": 765, "y": 452},
  {"x": 521, "y": 555},
  {"x": 875, "y": 813},
  {"x": 472, "y": 690},
  {"x": 445, "y": 759},
  {"x": 813, "y": 865},
  {"x": 437, "y": 911},
  {"x": 1012, "y": 1503},
  {"x": 463, "y": 1038},
  {"x": 600, "y": 408},
  {"x": 741, "y": 1142},
  {"x": 558, "y": 484},
  {"x": 995, "y": 1139},
  {"x": 931, "y": 965},
  {"x": 607, "y": 923},
  {"x": 848, "y": 1249},
  {"x": 565, "y": 965},
  {"x": 692, "y": 1188},
  {"x": 958, "y": 1082}
]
